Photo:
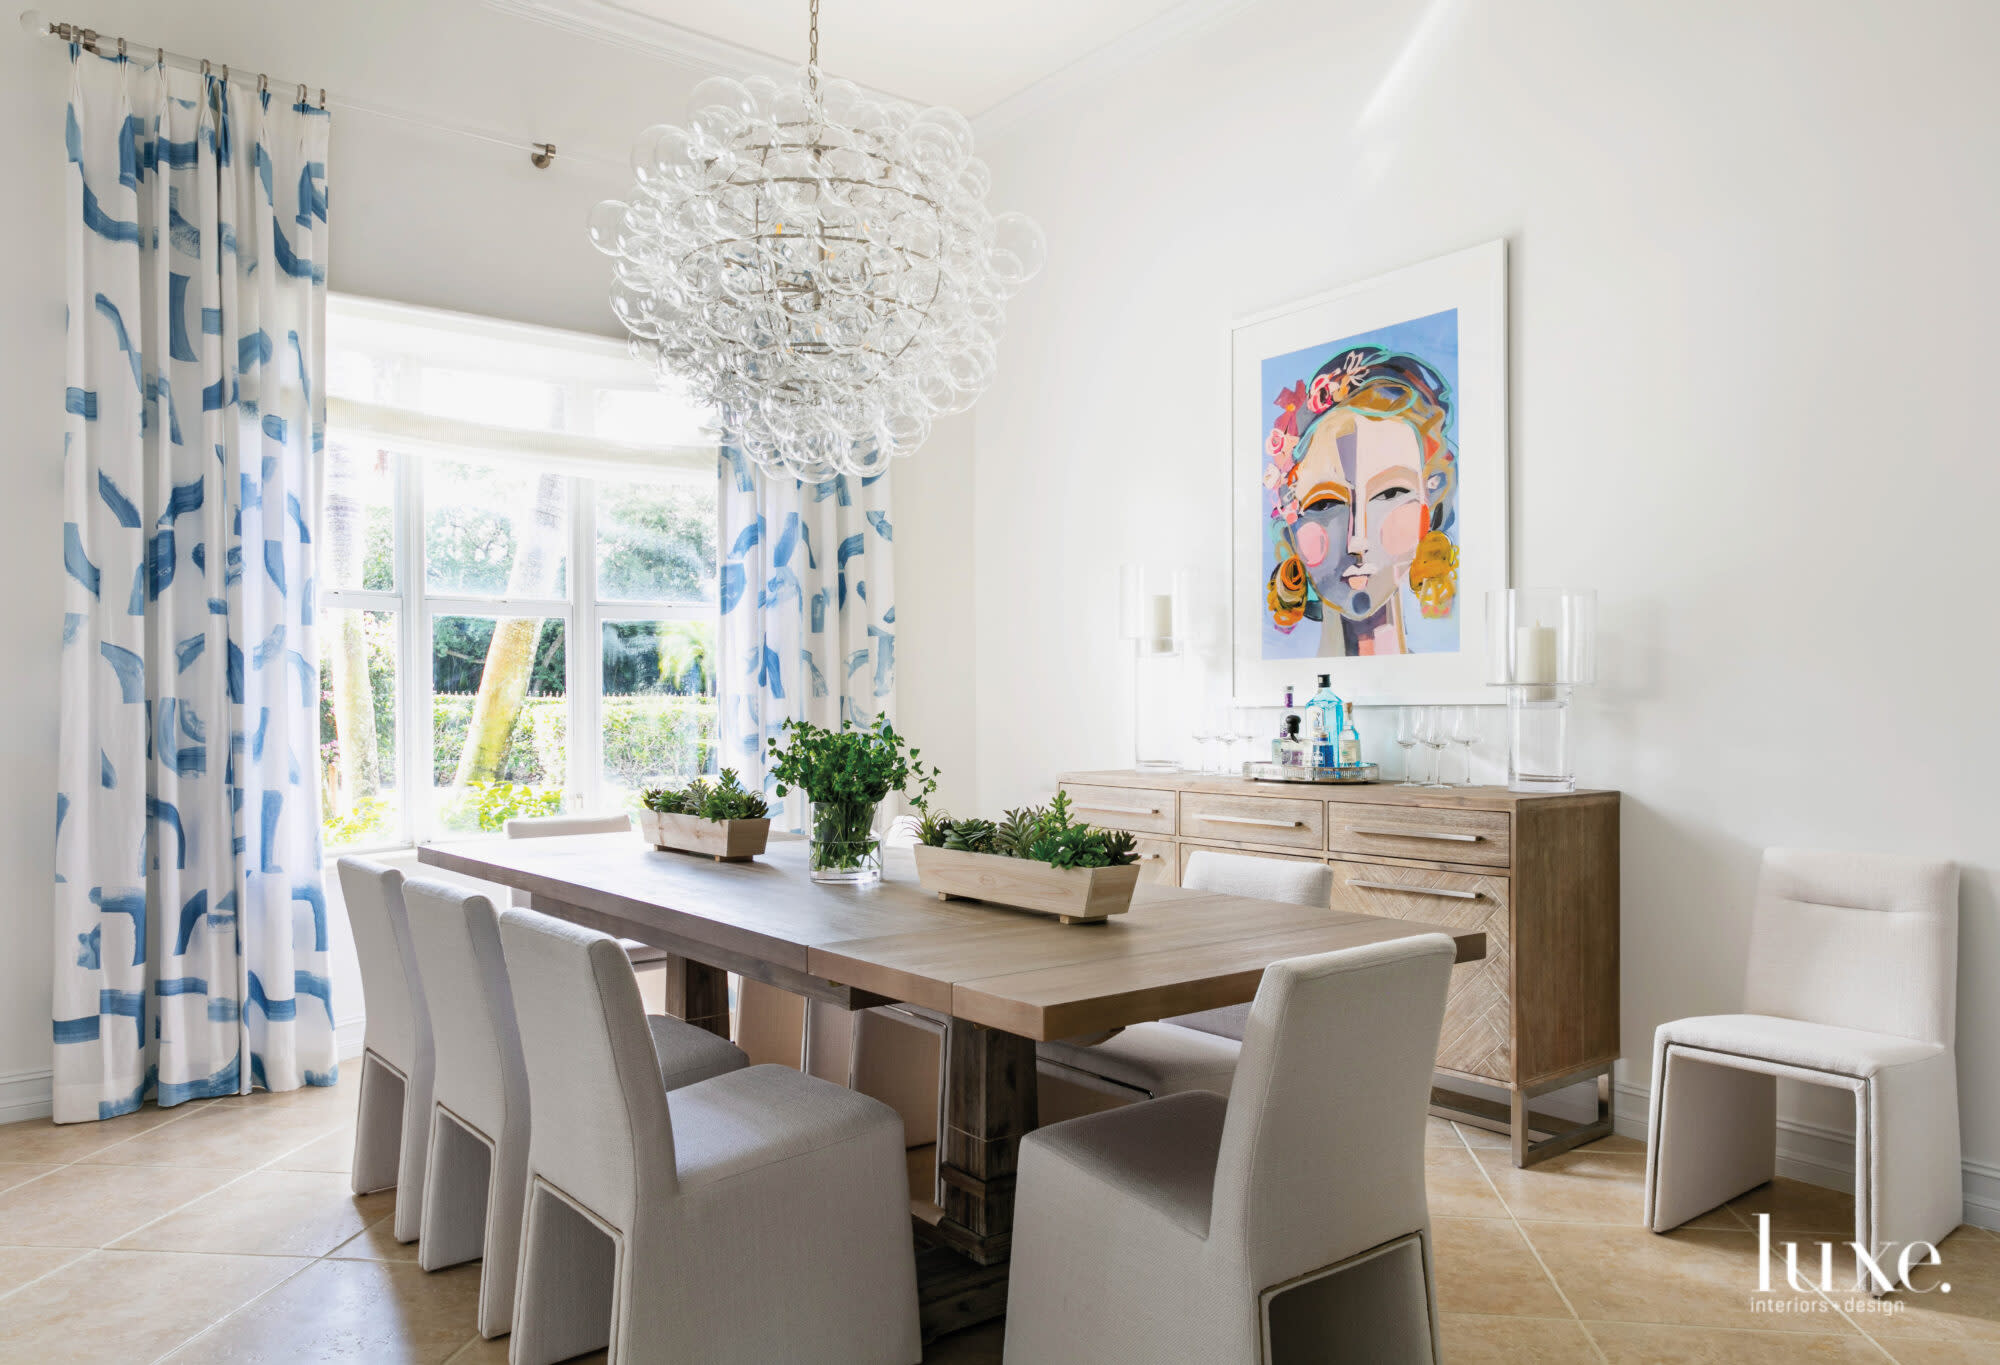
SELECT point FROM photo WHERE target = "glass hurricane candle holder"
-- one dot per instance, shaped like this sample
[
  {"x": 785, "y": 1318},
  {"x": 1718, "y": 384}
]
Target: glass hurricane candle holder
[{"x": 1541, "y": 643}]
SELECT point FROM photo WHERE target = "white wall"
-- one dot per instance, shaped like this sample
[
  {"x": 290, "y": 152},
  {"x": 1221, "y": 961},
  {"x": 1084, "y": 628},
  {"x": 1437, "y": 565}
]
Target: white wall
[
  {"x": 416, "y": 214},
  {"x": 1752, "y": 289}
]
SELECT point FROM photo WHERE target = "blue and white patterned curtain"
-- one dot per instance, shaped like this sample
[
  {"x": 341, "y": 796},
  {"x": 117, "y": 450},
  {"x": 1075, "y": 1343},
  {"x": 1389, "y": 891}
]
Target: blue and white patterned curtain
[
  {"x": 190, "y": 928},
  {"x": 808, "y": 604}
]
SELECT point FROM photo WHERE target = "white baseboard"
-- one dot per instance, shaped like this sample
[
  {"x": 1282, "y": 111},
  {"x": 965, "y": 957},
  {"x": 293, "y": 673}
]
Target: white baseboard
[
  {"x": 347, "y": 1036},
  {"x": 1818, "y": 1155},
  {"x": 26, "y": 1095}
]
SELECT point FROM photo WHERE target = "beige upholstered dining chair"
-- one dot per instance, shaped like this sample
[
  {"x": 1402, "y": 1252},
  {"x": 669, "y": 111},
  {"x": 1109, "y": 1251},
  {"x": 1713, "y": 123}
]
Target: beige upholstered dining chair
[
  {"x": 392, "y": 1126},
  {"x": 1851, "y": 983},
  {"x": 1189, "y": 1051},
  {"x": 1287, "y": 1221},
  {"x": 478, "y": 1145},
  {"x": 757, "y": 1216},
  {"x": 645, "y": 957}
]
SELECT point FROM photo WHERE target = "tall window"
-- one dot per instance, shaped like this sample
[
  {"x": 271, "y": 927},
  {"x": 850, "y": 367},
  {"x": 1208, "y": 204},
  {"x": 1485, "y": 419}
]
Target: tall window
[{"x": 518, "y": 581}]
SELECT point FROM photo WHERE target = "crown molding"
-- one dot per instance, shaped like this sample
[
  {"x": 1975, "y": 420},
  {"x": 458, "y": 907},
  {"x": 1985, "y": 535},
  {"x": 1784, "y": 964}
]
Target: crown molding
[
  {"x": 1098, "y": 65},
  {"x": 605, "y": 21}
]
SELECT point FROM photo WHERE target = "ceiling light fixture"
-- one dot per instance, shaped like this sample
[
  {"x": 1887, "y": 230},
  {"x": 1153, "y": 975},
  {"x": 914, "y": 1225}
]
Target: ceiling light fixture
[{"x": 818, "y": 264}]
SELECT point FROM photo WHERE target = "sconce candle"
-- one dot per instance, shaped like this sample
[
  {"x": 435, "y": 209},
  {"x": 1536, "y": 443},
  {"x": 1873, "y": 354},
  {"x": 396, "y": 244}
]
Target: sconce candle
[{"x": 1541, "y": 642}]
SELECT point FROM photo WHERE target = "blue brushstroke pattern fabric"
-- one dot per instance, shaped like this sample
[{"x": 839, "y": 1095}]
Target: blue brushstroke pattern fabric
[
  {"x": 808, "y": 602},
  {"x": 190, "y": 924}
]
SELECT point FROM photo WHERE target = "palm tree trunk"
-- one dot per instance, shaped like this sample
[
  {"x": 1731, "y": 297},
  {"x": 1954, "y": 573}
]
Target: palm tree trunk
[
  {"x": 510, "y": 655},
  {"x": 359, "y": 769}
]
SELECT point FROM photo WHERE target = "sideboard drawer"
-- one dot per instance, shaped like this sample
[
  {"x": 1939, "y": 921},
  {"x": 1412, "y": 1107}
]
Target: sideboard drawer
[
  {"x": 1141, "y": 810},
  {"x": 1438, "y": 834},
  {"x": 1254, "y": 820},
  {"x": 1156, "y": 862},
  {"x": 1477, "y": 1039}
]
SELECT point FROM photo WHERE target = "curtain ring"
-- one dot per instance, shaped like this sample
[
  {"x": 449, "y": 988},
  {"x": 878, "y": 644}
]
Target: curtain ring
[
  {"x": 302, "y": 94},
  {"x": 204, "y": 68},
  {"x": 225, "y": 73},
  {"x": 263, "y": 84},
  {"x": 160, "y": 58},
  {"x": 322, "y": 99},
  {"x": 121, "y": 49}
]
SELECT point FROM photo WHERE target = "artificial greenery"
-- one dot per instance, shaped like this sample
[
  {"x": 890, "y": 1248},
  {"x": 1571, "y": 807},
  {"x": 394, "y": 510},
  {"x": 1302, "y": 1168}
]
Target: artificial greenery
[
  {"x": 846, "y": 774},
  {"x": 725, "y": 799},
  {"x": 1044, "y": 834}
]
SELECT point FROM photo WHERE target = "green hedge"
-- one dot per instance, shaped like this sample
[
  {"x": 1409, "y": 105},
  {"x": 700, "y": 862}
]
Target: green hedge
[{"x": 647, "y": 739}]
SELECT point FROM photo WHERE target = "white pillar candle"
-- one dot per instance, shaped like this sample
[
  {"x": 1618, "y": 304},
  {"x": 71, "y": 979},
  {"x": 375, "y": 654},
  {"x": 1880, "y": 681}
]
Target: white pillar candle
[
  {"x": 1162, "y": 617},
  {"x": 1535, "y": 654}
]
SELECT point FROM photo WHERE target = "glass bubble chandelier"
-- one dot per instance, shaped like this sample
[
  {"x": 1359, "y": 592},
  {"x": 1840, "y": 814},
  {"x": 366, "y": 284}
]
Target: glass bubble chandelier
[{"x": 818, "y": 264}]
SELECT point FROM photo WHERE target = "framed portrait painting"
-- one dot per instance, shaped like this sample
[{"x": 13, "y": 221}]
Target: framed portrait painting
[{"x": 1369, "y": 485}]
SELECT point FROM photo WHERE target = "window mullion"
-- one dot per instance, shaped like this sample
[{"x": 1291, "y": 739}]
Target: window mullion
[
  {"x": 586, "y": 683},
  {"x": 417, "y": 706}
]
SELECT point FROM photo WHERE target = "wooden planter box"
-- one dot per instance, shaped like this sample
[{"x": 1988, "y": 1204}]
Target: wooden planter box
[
  {"x": 726, "y": 841},
  {"x": 1075, "y": 895}
]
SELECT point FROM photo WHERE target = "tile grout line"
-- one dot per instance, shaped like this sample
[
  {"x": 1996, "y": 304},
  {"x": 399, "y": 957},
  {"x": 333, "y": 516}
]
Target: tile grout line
[
  {"x": 1534, "y": 1251},
  {"x": 308, "y": 1262}
]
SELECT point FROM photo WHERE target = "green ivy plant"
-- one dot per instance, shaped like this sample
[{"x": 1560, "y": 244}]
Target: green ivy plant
[
  {"x": 725, "y": 799},
  {"x": 846, "y": 774},
  {"x": 1044, "y": 834}
]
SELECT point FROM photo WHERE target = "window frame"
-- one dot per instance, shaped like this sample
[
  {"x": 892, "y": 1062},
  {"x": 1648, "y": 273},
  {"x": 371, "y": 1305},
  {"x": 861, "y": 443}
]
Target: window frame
[{"x": 416, "y": 610}]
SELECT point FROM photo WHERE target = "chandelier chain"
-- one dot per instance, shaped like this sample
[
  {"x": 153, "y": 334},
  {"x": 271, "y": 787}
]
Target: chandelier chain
[{"x": 812, "y": 52}]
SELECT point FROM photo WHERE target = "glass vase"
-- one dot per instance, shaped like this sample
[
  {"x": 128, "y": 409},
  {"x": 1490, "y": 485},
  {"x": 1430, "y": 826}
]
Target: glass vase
[{"x": 845, "y": 847}]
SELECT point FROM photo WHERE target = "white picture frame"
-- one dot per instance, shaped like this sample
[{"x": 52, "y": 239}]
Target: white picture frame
[{"x": 1471, "y": 285}]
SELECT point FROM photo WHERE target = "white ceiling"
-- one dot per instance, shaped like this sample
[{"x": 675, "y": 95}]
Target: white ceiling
[{"x": 968, "y": 55}]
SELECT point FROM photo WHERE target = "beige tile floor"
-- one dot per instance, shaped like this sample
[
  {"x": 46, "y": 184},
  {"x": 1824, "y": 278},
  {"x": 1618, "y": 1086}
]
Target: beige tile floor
[{"x": 224, "y": 1231}]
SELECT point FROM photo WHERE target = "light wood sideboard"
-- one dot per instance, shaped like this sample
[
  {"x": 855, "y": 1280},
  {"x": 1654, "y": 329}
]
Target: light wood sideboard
[{"x": 1537, "y": 873}]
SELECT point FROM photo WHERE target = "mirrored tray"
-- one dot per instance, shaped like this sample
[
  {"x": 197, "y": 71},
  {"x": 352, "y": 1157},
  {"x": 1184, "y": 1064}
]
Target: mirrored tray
[{"x": 1272, "y": 772}]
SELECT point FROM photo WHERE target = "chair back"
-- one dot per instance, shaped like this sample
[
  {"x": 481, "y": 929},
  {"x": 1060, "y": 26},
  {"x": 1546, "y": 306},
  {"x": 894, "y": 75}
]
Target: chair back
[
  {"x": 392, "y": 990},
  {"x": 550, "y": 826},
  {"x": 600, "y": 1125},
  {"x": 1264, "y": 879},
  {"x": 1856, "y": 940},
  {"x": 1322, "y": 1151},
  {"x": 481, "y": 1075}
]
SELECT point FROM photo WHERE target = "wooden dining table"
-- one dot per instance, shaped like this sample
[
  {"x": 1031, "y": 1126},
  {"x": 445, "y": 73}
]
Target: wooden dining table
[{"x": 1002, "y": 979}]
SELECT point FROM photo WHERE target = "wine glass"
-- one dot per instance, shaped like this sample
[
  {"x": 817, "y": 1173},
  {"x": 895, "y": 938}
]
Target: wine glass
[
  {"x": 1227, "y": 737},
  {"x": 1465, "y": 731},
  {"x": 1435, "y": 734},
  {"x": 1204, "y": 736},
  {"x": 1409, "y": 721}
]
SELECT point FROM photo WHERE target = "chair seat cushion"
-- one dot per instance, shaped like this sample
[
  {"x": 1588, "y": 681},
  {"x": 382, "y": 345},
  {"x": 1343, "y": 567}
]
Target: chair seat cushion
[
  {"x": 763, "y": 1115},
  {"x": 689, "y": 1054},
  {"x": 1795, "y": 1042},
  {"x": 1161, "y": 1153},
  {"x": 1160, "y": 1059},
  {"x": 1228, "y": 1022}
]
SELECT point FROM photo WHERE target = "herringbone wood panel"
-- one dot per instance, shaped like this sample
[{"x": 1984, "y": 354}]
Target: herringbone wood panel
[{"x": 1479, "y": 1008}]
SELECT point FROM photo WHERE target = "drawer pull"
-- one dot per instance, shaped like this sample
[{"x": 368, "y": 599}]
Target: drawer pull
[
  {"x": 1149, "y": 857},
  {"x": 1123, "y": 810},
  {"x": 1251, "y": 820},
  {"x": 1414, "y": 834},
  {"x": 1415, "y": 890}
]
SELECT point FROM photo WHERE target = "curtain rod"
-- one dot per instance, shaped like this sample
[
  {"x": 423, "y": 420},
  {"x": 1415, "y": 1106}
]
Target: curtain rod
[{"x": 541, "y": 154}]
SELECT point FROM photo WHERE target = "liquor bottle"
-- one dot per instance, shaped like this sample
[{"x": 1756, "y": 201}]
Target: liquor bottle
[
  {"x": 1278, "y": 742},
  {"x": 1323, "y": 721},
  {"x": 1292, "y": 749},
  {"x": 1350, "y": 740}
]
